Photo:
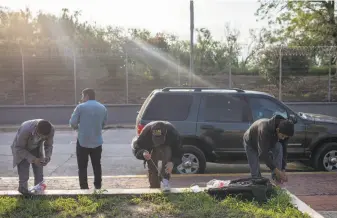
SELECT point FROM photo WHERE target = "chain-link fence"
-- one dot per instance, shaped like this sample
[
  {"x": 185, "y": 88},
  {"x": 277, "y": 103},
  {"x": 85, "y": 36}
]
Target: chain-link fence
[
  {"x": 308, "y": 73},
  {"x": 54, "y": 76}
]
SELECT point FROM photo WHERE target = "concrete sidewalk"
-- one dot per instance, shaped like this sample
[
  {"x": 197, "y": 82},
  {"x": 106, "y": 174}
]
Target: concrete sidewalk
[{"x": 11, "y": 128}]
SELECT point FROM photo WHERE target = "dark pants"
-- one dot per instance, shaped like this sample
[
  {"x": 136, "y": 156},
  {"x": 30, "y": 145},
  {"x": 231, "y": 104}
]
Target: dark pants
[
  {"x": 254, "y": 163},
  {"x": 163, "y": 153},
  {"x": 83, "y": 154},
  {"x": 23, "y": 171}
]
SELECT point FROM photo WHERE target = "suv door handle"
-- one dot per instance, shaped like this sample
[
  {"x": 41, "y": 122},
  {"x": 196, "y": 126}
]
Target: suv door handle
[{"x": 207, "y": 127}]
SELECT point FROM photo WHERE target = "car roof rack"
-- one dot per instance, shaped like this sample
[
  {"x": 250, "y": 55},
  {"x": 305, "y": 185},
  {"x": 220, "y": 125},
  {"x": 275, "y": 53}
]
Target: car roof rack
[{"x": 198, "y": 89}]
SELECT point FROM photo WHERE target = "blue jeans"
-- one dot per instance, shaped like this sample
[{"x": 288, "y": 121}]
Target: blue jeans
[{"x": 254, "y": 163}]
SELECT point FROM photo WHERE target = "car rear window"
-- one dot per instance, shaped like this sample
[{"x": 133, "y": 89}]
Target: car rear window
[
  {"x": 172, "y": 107},
  {"x": 141, "y": 111}
]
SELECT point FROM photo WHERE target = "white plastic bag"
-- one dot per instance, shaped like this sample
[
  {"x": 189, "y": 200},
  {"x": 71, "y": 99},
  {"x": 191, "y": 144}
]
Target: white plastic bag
[
  {"x": 196, "y": 189},
  {"x": 39, "y": 188},
  {"x": 214, "y": 183}
]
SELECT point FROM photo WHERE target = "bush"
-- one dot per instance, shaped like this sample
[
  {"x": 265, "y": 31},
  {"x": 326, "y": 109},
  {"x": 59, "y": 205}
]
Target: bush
[{"x": 322, "y": 70}]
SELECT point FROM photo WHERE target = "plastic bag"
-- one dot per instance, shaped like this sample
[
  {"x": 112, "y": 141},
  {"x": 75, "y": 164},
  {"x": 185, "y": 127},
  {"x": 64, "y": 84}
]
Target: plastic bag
[
  {"x": 196, "y": 189},
  {"x": 214, "y": 183},
  {"x": 39, "y": 188}
]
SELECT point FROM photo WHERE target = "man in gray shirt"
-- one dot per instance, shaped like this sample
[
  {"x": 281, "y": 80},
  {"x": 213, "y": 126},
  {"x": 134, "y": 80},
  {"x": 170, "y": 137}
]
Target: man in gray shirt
[{"x": 32, "y": 145}]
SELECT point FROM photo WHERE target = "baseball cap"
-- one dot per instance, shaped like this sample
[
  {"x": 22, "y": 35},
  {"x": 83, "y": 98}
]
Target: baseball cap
[{"x": 158, "y": 131}]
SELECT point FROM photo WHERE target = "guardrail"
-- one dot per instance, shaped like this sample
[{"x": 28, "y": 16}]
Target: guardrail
[{"x": 121, "y": 114}]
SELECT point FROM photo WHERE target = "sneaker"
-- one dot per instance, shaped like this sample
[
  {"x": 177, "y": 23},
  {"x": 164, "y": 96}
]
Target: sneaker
[{"x": 165, "y": 185}]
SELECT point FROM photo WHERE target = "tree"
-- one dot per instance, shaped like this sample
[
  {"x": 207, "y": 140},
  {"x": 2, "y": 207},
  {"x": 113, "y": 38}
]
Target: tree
[
  {"x": 268, "y": 64},
  {"x": 301, "y": 22},
  {"x": 257, "y": 42},
  {"x": 45, "y": 32},
  {"x": 233, "y": 49},
  {"x": 212, "y": 56},
  {"x": 16, "y": 25}
]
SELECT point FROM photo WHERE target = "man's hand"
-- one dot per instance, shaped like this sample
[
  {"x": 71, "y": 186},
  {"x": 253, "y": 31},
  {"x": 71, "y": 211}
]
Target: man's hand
[
  {"x": 146, "y": 155},
  {"x": 38, "y": 161},
  {"x": 169, "y": 168},
  {"x": 45, "y": 161},
  {"x": 280, "y": 175},
  {"x": 286, "y": 177}
]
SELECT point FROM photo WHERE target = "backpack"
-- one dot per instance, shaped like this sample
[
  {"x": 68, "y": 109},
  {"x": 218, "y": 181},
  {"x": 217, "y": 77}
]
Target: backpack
[{"x": 258, "y": 189}]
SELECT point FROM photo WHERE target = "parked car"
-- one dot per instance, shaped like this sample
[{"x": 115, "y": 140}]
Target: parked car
[{"x": 213, "y": 121}]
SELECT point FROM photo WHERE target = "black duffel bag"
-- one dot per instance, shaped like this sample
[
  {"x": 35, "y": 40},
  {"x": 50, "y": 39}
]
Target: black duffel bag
[{"x": 259, "y": 189}]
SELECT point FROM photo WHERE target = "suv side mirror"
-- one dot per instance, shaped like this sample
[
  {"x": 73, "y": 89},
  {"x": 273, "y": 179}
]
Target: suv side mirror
[{"x": 293, "y": 118}]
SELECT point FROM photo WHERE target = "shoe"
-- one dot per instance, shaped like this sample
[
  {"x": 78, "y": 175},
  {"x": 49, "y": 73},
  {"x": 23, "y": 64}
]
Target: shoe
[
  {"x": 24, "y": 191},
  {"x": 165, "y": 185},
  {"x": 98, "y": 185}
]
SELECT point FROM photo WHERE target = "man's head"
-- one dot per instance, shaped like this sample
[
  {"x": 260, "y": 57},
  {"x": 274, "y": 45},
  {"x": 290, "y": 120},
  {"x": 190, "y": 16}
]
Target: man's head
[
  {"x": 158, "y": 131},
  {"x": 88, "y": 94},
  {"x": 285, "y": 129},
  {"x": 43, "y": 128}
]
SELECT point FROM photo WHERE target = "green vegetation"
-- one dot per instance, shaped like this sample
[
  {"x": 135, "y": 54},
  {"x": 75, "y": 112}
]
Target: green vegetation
[
  {"x": 314, "y": 22},
  {"x": 48, "y": 41},
  {"x": 148, "y": 205}
]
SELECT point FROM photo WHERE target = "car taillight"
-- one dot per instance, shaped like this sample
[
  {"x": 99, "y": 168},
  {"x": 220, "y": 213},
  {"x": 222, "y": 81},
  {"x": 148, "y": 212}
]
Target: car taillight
[{"x": 139, "y": 128}]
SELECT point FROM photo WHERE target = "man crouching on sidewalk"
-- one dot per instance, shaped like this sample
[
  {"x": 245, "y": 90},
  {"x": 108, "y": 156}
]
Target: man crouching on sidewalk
[
  {"x": 267, "y": 138},
  {"x": 31, "y": 139},
  {"x": 159, "y": 140}
]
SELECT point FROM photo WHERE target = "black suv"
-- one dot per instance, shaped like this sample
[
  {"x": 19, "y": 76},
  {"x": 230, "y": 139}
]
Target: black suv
[{"x": 212, "y": 122}]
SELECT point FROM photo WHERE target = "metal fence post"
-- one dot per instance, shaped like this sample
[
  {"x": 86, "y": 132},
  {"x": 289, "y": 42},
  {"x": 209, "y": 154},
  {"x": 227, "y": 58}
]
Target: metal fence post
[
  {"x": 329, "y": 80},
  {"x": 178, "y": 71},
  {"x": 230, "y": 67},
  {"x": 23, "y": 76},
  {"x": 280, "y": 77},
  {"x": 75, "y": 77},
  {"x": 127, "y": 78},
  {"x": 230, "y": 74}
]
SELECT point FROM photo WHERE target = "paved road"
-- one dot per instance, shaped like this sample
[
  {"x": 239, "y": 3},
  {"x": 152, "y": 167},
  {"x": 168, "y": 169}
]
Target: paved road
[{"x": 117, "y": 158}]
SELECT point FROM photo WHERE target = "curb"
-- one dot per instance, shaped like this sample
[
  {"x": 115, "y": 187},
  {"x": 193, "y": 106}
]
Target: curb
[
  {"x": 173, "y": 175},
  {"x": 13, "y": 128},
  {"x": 116, "y": 191},
  {"x": 301, "y": 206}
]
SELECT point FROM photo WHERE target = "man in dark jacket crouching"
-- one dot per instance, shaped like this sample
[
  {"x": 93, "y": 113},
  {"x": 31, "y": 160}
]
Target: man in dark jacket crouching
[
  {"x": 267, "y": 139},
  {"x": 159, "y": 140}
]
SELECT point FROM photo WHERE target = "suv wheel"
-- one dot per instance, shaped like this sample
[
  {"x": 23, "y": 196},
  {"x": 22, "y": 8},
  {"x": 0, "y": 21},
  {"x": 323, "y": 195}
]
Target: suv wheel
[
  {"x": 193, "y": 161},
  {"x": 326, "y": 158}
]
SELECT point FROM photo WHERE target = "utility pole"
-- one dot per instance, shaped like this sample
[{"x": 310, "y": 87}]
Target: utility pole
[{"x": 191, "y": 41}]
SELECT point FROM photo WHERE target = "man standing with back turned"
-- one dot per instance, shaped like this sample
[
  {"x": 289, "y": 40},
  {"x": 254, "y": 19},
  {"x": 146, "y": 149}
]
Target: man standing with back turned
[
  {"x": 89, "y": 118},
  {"x": 267, "y": 138}
]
